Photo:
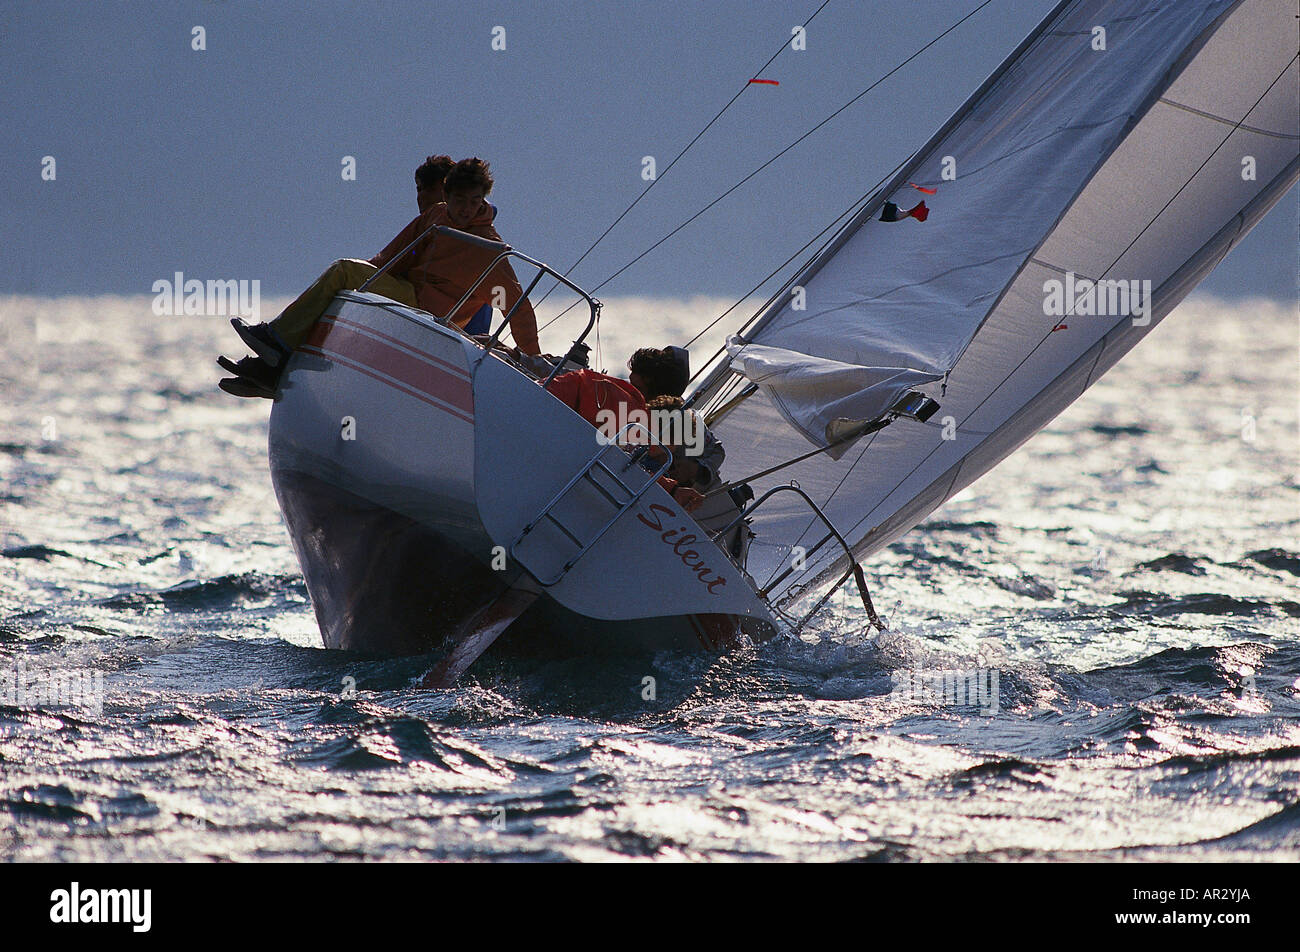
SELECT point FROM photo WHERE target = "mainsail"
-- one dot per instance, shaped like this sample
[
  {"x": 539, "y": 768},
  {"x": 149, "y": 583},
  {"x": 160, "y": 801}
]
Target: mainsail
[{"x": 1132, "y": 141}]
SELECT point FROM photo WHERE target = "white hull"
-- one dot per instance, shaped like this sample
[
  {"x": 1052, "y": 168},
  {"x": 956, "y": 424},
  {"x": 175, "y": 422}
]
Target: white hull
[{"x": 407, "y": 465}]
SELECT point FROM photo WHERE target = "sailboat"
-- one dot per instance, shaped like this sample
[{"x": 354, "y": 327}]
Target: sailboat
[{"x": 440, "y": 500}]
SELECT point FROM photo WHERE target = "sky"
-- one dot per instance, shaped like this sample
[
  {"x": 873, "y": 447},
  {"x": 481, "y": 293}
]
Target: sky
[{"x": 228, "y": 162}]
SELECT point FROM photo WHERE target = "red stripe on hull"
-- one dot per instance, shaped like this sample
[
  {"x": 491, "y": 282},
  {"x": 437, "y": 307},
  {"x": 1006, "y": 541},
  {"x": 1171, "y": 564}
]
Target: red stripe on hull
[
  {"x": 452, "y": 368},
  {"x": 411, "y": 371},
  {"x": 396, "y": 385}
]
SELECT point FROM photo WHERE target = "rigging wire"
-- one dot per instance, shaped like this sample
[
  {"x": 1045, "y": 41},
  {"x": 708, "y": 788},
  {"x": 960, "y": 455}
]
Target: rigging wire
[
  {"x": 774, "y": 158},
  {"x": 847, "y": 213},
  {"x": 668, "y": 168},
  {"x": 1107, "y": 271}
]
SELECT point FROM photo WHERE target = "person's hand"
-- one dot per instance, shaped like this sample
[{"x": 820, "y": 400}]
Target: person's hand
[{"x": 688, "y": 498}]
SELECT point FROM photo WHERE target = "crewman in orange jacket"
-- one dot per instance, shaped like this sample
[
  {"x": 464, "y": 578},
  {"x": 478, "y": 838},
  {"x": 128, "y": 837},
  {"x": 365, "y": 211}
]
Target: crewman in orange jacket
[
  {"x": 428, "y": 192},
  {"x": 441, "y": 269},
  {"x": 433, "y": 276}
]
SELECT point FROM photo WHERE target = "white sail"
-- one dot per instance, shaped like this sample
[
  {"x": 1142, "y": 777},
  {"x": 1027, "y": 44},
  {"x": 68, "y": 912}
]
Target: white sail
[{"x": 1125, "y": 140}]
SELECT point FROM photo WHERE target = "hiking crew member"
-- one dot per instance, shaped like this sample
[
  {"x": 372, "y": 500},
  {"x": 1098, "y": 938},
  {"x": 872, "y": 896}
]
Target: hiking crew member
[
  {"x": 590, "y": 394},
  {"x": 429, "y": 179},
  {"x": 432, "y": 276},
  {"x": 658, "y": 372},
  {"x": 717, "y": 509}
]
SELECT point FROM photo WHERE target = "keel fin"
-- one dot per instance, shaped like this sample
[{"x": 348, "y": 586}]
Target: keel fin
[{"x": 476, "y": 635}]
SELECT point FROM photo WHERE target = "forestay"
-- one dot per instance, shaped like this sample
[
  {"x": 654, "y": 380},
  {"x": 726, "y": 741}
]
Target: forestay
[{"x": 1129, "y": 140}]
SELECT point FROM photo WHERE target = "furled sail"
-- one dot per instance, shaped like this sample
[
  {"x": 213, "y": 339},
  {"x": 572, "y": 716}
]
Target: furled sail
[{"x": 1109, "y": 164}]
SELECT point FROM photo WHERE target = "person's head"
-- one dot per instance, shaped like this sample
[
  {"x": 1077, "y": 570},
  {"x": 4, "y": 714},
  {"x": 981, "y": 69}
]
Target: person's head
[
  {"x": 679, "y": 430},
  {"x": 656, "y": 371},
  {"x": 428, "y": 181},
  {"x": 467, "y": 186},
  {"x": 665, "y": 419},
  {"x": 665, "y": 401}
]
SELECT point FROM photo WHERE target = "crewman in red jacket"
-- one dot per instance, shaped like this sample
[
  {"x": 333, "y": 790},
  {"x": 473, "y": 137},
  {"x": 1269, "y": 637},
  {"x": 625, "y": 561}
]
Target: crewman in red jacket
[{"x": 598, "y": 397}]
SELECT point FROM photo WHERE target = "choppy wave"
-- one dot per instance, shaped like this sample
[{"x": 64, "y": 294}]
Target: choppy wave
[{"x": 1127, "y": 576}]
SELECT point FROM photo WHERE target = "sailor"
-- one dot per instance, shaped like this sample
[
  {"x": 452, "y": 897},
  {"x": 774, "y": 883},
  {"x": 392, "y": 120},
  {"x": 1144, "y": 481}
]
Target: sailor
[
  {"x": 433, "y": 276},
  {"x": 659, "y": 372},
  {"x": 429, "y": 177},
  {"x": 681, "y": 431},
  {"x": 598, "y": 397}
]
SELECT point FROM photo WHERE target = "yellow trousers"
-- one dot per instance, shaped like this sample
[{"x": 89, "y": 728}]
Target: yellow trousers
[{"x": 347, "y": 274}]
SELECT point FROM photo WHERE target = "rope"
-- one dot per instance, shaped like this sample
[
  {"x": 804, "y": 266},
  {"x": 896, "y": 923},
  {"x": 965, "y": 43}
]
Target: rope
[
  {"x": 774, "y": 158},
  {"x": 655, "y": 180}
]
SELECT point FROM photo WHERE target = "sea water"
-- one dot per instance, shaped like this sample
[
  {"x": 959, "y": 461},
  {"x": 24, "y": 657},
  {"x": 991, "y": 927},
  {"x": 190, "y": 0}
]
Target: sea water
[{"x": 1093, "y": 652}]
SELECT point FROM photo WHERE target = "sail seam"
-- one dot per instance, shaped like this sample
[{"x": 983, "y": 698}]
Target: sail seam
[
  {"x": 1034, "y": 259},
  {"x": 1034, "y": 349},
  {"x": 1227, "y": 122},
  {"x": 760, "y": 320},
  {"x": 1087, "y": 381},
  {"x": 904, "y": 287}
]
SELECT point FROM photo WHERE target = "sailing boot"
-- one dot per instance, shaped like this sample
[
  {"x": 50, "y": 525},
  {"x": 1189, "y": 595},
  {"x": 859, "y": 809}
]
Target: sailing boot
[
  {"x": 262, "y": 340},
  {"x": 253, "y": 378}
]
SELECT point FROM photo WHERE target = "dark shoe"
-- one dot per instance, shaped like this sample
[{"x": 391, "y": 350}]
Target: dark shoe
[
  {"x": 243, "y": 387},
  {"x": 254, "y": 370},
  {"x": 261, "y": 340}
]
